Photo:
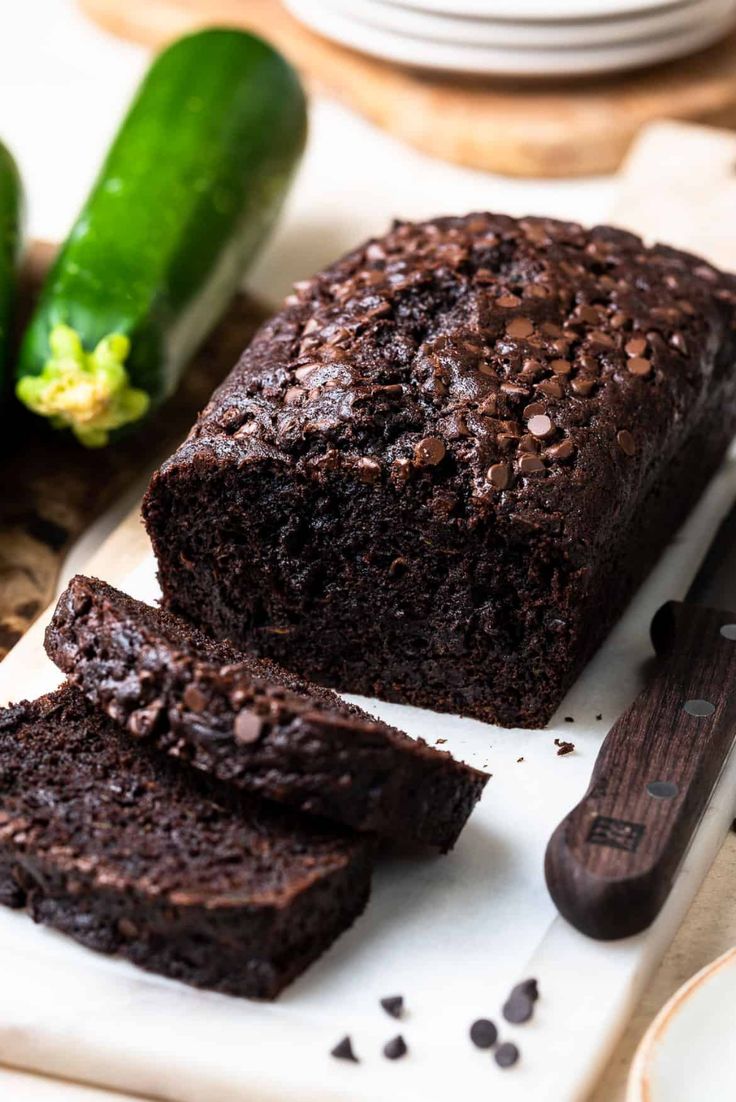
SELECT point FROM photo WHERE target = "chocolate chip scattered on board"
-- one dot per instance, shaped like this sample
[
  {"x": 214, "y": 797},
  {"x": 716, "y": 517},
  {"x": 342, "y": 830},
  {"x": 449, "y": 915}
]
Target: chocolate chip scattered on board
[
  {"x": 506, "y": 1055},
  {"x": 529, "y": 987},
  {"x": 343, "y": 1050},
  {"x": 393, "y": 1004},
  {"x": 395, "y": 1048},
  {"x": 483, "y": 1033},
  {"x": 518, "y": 1008}
]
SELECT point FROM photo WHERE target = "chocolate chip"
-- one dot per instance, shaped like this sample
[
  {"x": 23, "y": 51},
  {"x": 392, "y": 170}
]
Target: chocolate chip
[
  {"x": 143, "y": 720},
  {"x": 540, "y": 425},
  {"x": 528, "y": 443},
  {"x": 559, "y": 452},
  {"x": 638, "y": 365},
  {"x": 393, "y": 1004},
  {"x": 429, "y": 452},
  {"x": 551, "y": 329},
  {"x": 532, "y": 409},
  {"x": 508, "y": 301},
  {"x": 247, "y": 728},
  {"x": 531, "y": 367},
  {"x": 529, "y": 987},
  {"x": 619, "y": 320},
  {"x": 400, "y": 470},
  {"x": 499, "y": 475},
  {"x": 530, "y": 464},
  {"x": 514, "y": 390},
  {"x": 293, "y": 394},
  {"x": 588, "y": 314},
  {"x": 343, "y": 1050},
  {"x": 583, "y": 386},
  {"x": 397, "y": 569},
  {"x": 561, "y": 347},
  {"x": 626, "y": 442},
  {"x": 637, "y": 346},
  {"x": 561, "y": 367},
  {"x": 506, "y": 1055},
  {"x": 194, "y": 699},
  {"x": 127, "y": 929},
  {"x": 518, "y": 1008},
  {"x": 677, "y": 340},
  {"x": 395, "y": 1048},
  {"x": 597, "y": 336},
  {"x": 551, "y": 388},
  {"x": 519, "y": 328},
  {"x": 369, "y": 470},
  {"x": 483, "y": 1033}
]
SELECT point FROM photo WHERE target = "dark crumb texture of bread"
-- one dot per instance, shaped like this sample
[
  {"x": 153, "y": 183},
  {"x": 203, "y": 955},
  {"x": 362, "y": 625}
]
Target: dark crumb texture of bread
[
  {"x": 252, "y": 724},
  {"x": 438, "y": 475},
  {"x": 118, "y": 849}
]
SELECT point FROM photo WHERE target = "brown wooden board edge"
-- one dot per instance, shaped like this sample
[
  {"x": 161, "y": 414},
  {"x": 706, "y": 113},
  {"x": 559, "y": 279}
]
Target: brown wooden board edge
[{"x": 528, "y": 129}]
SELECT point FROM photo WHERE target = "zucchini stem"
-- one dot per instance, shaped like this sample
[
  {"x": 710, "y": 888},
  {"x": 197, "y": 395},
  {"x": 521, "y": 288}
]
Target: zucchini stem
[{"x": 87, "y": 392}]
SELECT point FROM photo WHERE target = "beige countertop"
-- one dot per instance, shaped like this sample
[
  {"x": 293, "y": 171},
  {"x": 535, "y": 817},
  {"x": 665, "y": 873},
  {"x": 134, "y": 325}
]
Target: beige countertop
[{"x": 708, "y": 931}]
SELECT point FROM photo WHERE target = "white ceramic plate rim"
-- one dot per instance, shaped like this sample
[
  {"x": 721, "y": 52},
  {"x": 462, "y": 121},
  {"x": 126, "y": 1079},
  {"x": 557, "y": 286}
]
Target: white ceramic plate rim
[
  {"x": 413, "y": 23},
  {"x": 481, "y": 60},
  {"x": 539, "y": 9},
  {"x": 638, "y": 1087}
]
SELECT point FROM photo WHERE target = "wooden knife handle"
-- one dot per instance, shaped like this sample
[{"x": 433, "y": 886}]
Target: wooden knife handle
[{"x": 611, "y": 862}]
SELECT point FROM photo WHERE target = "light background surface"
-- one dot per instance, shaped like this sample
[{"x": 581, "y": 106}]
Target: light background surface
[{"x": 63, "y": 87}]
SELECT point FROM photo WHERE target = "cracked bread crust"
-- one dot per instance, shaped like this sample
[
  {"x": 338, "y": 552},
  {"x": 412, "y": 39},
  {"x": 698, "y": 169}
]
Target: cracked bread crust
[
  {"x": 117, "y": 848},
  {"x": 252, "y": 724},
  {"x": 438, "y": 474}
]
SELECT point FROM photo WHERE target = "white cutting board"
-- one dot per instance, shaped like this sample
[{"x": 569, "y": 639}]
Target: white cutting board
[{"x": 451, "y": 934}]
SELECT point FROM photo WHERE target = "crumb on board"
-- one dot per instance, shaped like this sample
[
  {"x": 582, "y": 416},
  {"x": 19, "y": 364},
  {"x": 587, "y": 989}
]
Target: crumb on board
[
  {"x": 518, "y": 760},
  {"x": 569, "y": 719},
  {"x": 564, "y": 747},
  {"x": 440, "y": 741},
  {"x": 599, "y": 716}
]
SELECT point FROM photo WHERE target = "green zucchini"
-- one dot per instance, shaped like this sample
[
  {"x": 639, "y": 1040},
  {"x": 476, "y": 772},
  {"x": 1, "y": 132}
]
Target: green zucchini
[
  {"x": 189, "y": 190},
  {"x": 11, "y": 202}
]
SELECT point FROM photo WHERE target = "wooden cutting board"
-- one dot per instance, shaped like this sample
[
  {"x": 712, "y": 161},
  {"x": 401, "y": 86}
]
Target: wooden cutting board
[
  {"x": 51, "y": 489},
  {"x": 571, "y": 128}
]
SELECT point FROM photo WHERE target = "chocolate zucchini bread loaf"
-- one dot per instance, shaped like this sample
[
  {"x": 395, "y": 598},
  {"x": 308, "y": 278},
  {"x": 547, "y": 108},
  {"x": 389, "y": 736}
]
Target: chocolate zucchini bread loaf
[
  {"x": 440, "y": 473},
  {"x": 126, "y": 854},
  {"x": 252, "y": 724}
]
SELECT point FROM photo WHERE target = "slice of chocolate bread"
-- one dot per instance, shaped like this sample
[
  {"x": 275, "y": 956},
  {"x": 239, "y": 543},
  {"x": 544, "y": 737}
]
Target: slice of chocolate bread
[
  {"x": 253, "y": 724},
  {"x": 130, "y": 854},
  {"x": 438, "y": 475}
]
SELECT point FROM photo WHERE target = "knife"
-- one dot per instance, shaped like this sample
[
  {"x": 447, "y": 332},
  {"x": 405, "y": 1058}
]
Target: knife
[{"x": 611, "y": 862}]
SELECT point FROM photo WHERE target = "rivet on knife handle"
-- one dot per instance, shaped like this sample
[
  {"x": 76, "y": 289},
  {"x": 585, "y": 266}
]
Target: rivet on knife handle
[{"x": 611, "y": 862}]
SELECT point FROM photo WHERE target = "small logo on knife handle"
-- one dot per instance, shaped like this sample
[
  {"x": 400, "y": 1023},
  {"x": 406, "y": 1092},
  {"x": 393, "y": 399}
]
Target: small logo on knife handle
[{"x": 615, "y": 833}]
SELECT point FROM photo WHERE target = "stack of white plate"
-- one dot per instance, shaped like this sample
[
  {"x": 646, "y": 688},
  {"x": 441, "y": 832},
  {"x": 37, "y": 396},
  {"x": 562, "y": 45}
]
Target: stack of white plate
[{"x": 530, "y": 38}]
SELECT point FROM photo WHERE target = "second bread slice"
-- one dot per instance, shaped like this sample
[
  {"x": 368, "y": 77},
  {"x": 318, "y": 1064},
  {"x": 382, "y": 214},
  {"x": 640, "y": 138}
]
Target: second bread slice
[{"x": 251, "y": 723}]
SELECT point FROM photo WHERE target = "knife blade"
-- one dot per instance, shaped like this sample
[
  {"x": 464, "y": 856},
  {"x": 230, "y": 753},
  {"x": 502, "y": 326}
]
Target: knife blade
[{"x": 611, "y": 862}]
